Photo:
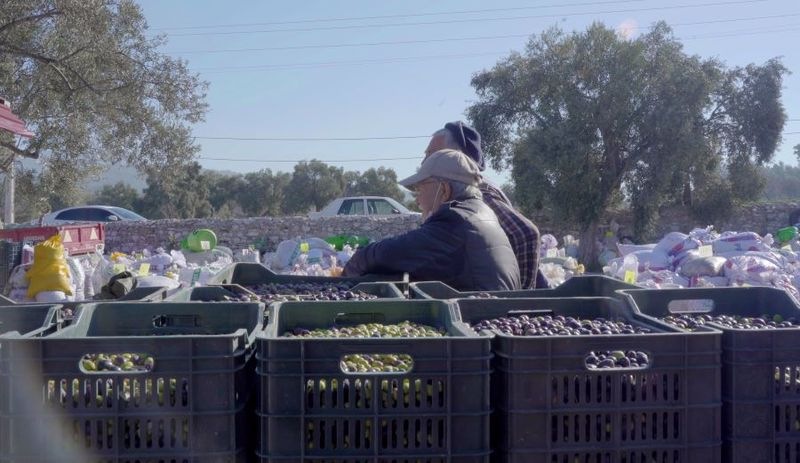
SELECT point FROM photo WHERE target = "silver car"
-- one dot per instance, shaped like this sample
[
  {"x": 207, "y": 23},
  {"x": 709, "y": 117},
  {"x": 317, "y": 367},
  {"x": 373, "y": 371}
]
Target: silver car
[{"x": 91, "y": 213}]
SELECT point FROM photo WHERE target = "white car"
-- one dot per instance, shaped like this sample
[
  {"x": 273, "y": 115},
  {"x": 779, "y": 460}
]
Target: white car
[
  {"x": 93, "y": 213},
  {"x": 362, "y": 205}
]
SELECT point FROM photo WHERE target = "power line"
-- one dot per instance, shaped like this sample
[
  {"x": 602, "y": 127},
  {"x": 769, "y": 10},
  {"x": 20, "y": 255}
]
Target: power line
[
  {"x": 457, "y": 21},
  {"x": 392, "y": 16},
  {"x": 306, "y": 160},
  {"x": 759, "y": 31},
  {"x": 289, "y": 66},
  {"x": 452, "y": 39},
  {"x": 305, "y": 139},
  {"x": 401, "y": 137},
  {"x": 267, "y": 67}
]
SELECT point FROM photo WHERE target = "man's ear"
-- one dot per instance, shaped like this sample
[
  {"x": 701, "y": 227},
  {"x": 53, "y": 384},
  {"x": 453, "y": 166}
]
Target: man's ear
[{"x": 447, "y": 192}]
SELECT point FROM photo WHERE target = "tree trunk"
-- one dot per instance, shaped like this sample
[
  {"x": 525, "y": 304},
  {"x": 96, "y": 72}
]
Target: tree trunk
[{"x": 587, "y": 251}]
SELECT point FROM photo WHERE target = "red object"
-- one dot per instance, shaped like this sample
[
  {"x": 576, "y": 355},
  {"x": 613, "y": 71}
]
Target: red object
[
  {"x": 77, "y": 239},
  {"x": 9, "y": 121}
]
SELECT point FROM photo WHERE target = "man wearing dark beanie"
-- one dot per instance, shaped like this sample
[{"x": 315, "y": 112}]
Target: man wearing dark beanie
[{"x": 521, "y": 232}]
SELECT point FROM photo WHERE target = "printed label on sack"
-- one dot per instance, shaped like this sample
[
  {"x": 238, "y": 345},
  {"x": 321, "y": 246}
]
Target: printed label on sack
[
  {"x": 304, "y": 247},
  {"x": 551, "y": 253},
  {"x": 205, "y": 245},
  {"x": 144, "y": 269},
  {"x": 195, "y": 277},
  {"x": 630, "y": 277},
  {"x": 118, "y": 268},
  {"x": 705, "y": 250}
]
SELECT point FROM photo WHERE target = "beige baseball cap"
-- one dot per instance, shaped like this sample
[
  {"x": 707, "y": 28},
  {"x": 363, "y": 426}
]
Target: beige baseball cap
[{"x": 446, "y": 164}]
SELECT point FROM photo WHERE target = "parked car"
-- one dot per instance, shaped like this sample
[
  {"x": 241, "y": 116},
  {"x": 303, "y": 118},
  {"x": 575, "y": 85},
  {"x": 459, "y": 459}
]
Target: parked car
[
  {"x": 362, "y": 205},
  {"x": 92, "y": 213}
]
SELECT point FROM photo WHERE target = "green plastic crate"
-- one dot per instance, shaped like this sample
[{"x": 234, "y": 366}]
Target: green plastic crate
[
  {"x": 195, "y": 405},
  {"x": 372, "y": 417},
  {"x": 578, "y": 286}
]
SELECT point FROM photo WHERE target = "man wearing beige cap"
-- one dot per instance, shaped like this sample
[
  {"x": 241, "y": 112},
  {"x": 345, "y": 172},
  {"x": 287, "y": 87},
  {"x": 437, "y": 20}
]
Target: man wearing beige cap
[{"x": 460, "y": 241}]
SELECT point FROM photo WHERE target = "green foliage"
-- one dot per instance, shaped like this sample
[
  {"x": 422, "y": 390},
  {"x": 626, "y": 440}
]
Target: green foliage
[
  {"x": 120, "y": 194},
  {"x": 314, "y": 184},
  {"x": 96, "y": 90},
  {"x": 374, "y": 182},
  {"x": 196, "y": 192},
  {"x": 266, "y": 193},
  {"x": 586, "y": 120},
  {"x": 782, "y": 182},
  {"x": 183, "y": 195}
]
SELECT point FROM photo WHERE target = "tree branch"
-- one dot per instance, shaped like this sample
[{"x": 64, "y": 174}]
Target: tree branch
[
  {"x": 19, "y": 152},
  {"x": 33, "y": 18}
]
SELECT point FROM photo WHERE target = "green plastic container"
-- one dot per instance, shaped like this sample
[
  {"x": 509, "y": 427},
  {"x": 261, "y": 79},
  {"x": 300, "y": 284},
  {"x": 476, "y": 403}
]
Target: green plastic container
[
  {"x": 786, "y": 234},
  {"x": 201, "y": 240}
]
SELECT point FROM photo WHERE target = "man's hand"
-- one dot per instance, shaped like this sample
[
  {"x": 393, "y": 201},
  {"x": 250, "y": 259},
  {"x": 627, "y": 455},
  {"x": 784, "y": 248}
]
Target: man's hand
[{"x": 355, "y": 266}]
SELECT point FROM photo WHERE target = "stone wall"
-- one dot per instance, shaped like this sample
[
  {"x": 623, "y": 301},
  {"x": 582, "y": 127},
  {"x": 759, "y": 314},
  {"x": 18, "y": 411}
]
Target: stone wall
[
  {"x": 267, "y": 232},
  {"x": 264, "y": 232}
]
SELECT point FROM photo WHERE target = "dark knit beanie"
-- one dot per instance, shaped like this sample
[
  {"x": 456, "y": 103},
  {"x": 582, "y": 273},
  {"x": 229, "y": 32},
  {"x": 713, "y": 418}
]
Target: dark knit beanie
[{"x": 469, "y": 140}]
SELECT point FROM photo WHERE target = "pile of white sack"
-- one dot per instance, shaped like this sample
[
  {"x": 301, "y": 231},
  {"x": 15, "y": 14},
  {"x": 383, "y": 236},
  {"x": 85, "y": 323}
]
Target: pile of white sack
[
  {"x": 705, "y": 258},
  {"x": 559, "y": 264},
  {"x": 309, "y": 256},
  {"x": 90, "y": 272}
]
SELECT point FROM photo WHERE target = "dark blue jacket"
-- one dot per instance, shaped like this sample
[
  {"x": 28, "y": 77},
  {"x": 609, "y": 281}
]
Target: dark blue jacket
[{"x": 461, "y": 244}]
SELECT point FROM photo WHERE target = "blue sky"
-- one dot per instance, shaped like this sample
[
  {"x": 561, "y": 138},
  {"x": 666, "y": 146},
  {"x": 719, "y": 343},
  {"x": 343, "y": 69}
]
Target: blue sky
[{"x": 303, "y": 78}]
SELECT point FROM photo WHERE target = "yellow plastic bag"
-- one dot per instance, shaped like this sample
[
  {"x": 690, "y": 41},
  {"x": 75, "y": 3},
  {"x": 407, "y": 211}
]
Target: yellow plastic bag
[{"x": 49, "y": 271}]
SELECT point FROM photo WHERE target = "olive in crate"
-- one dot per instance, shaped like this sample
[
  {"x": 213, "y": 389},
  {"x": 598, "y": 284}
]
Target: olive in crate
[
  {"x": 692, "y": 322},
  {"x": 404, "y": 329},
  {"x": 617, "y": 359},
  {"x": 125, "y": 362},
  {"x": 287, "y": 292},
  {"x": 556, "y": 325}
]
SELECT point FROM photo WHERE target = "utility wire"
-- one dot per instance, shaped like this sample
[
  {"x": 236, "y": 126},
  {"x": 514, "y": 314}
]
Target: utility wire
[
  {"x": 311, "y": 159},
  {"x": 452, "y": 39},
  {"x": 305, "y": 139},
  {"x": 289, "y": 66},
  {"x": 401, "y": 59},
  {"x": 314, "y": 138},
  {"x": 460, "y": 21},
  {"x": 393, "y": 16}
]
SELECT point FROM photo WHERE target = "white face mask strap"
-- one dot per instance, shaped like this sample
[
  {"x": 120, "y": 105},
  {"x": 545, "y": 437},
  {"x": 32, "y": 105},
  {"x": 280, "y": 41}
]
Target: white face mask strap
[{"x": 438, "y": 190}]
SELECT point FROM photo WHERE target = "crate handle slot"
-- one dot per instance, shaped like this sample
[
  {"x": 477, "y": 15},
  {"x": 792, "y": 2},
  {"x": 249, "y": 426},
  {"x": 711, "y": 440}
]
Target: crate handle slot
[
  {"x": 691, "y": 306},
  {"x": 176, "y": 321},
  {"x": 614, "y": 360},
  {"x": 358, "y": 318},
  {"x": 370, "y": 363},
  {"x": 102, "y": 363},
  {"x": 535, "y": 312}
]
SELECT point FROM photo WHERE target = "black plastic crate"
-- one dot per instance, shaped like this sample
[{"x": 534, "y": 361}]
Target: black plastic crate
[
  {"x": 438, "y": 411},
  {"x": 578, "y": 286},
  {"x": 550, "y": 407},
  {"x": 212, "y": 293},
  {"x": 249, "y": 274},
  {"x": 196, "y": 404},
  {"x": 28, "y": 320},
  {"x": 760, "y": 368},
  {"x": 10, "y": 257}
]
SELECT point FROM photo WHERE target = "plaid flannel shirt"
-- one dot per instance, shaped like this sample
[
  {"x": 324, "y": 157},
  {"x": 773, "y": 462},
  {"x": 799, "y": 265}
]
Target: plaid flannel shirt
[{"x": 522, "y": 233}]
